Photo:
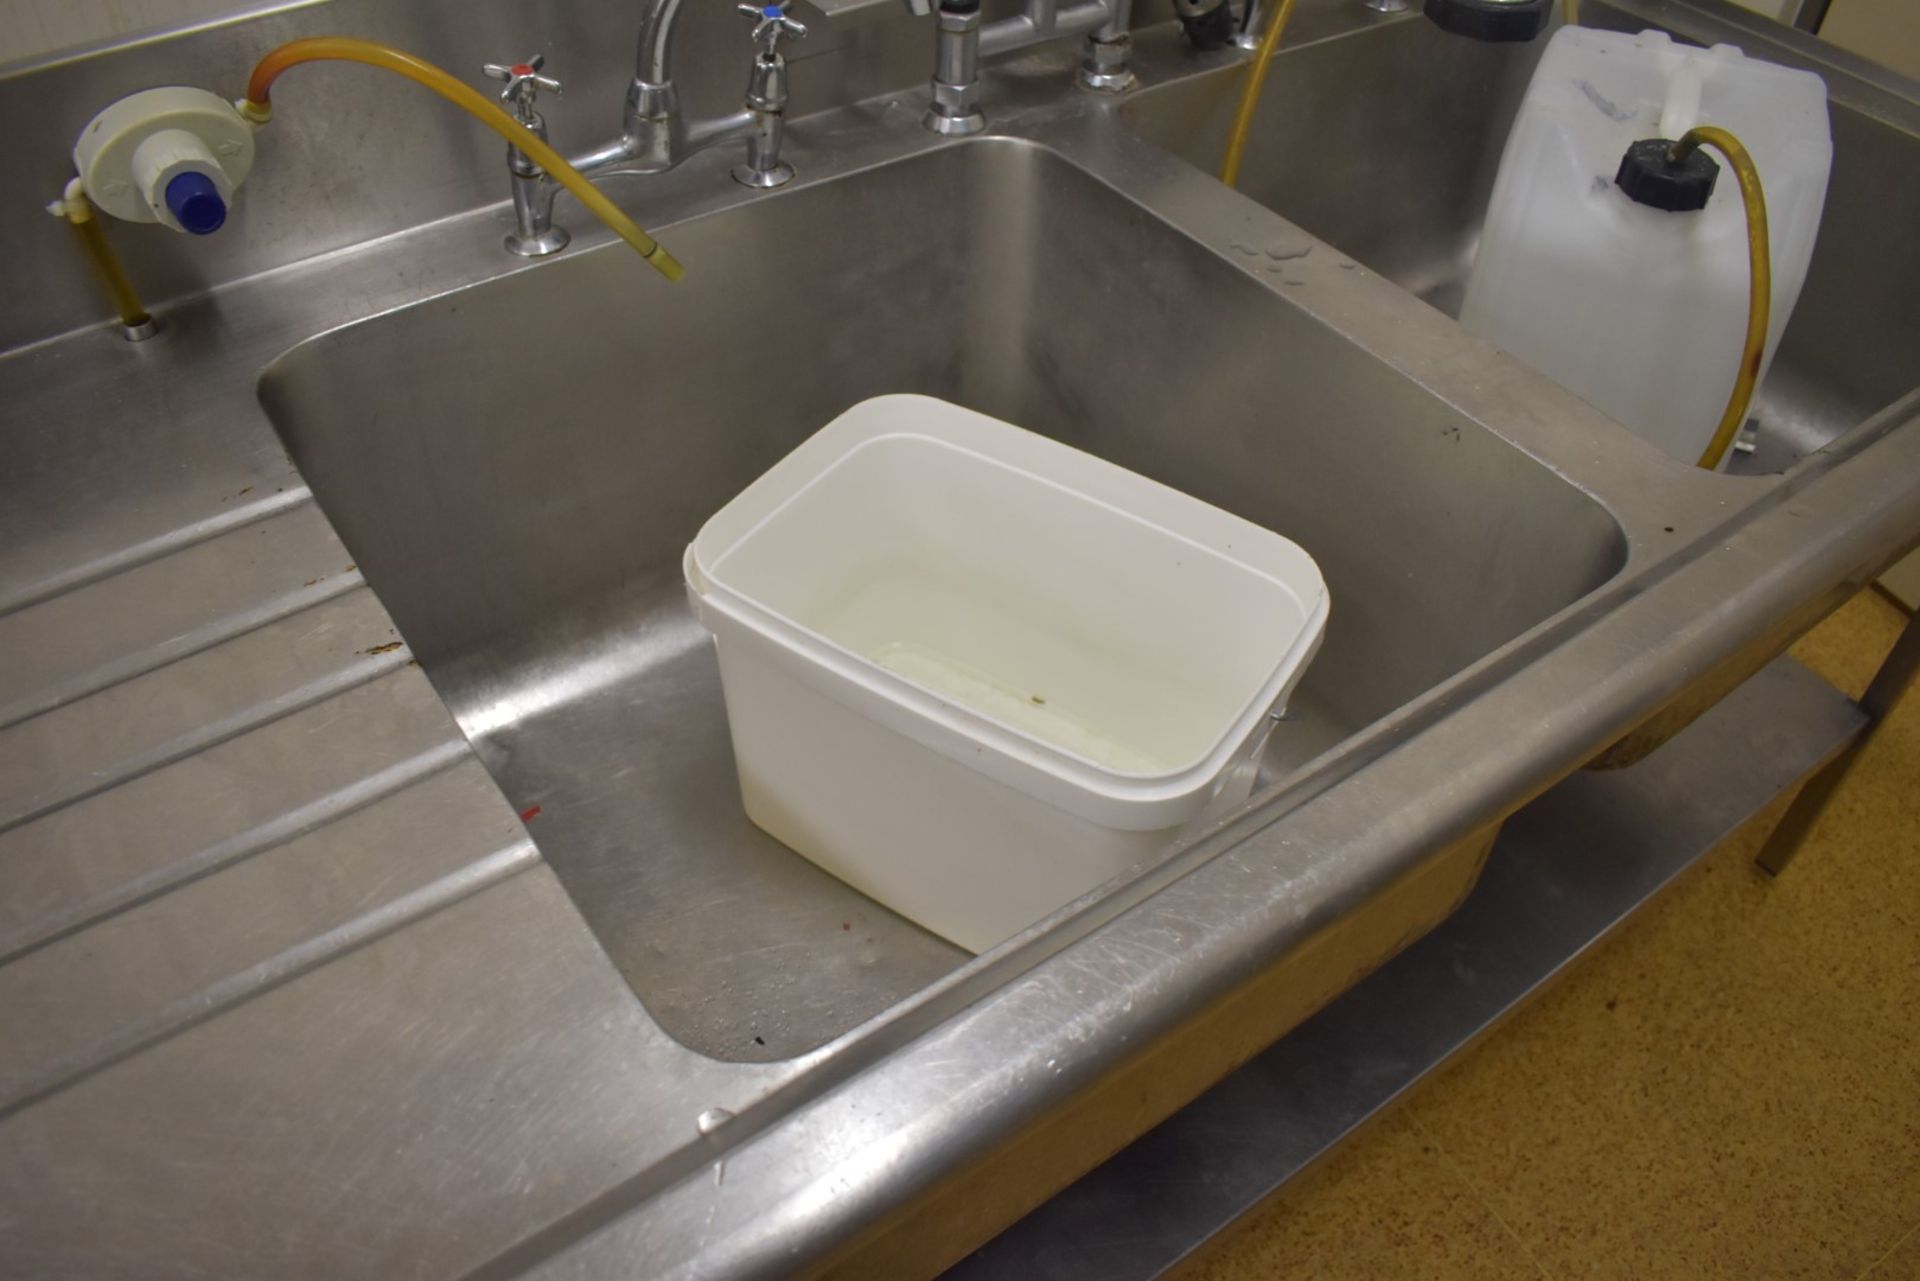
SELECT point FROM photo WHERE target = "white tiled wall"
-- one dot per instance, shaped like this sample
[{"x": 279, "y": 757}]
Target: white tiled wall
[
  {"x": 1779, "y": 9},
  {"x": 1888, "y": 31}
]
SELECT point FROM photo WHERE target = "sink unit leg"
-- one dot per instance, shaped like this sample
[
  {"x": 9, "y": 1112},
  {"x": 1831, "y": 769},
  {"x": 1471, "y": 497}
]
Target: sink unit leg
[{"x": 1895, "y": 677}]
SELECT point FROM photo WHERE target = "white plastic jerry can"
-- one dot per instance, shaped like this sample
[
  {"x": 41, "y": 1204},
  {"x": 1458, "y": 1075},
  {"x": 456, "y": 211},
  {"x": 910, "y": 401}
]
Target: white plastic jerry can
[{"x": 1640, "y": 311}]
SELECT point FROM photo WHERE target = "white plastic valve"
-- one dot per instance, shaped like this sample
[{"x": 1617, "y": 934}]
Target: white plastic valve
[{"x": 172, "y": 156}]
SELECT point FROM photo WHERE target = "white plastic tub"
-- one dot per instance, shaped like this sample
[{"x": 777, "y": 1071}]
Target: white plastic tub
[{"x": 974, "y": 672}]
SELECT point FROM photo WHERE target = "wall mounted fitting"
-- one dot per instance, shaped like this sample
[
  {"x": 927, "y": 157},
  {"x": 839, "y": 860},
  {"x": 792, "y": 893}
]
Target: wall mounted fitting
[{"x": 172, "y": 156}]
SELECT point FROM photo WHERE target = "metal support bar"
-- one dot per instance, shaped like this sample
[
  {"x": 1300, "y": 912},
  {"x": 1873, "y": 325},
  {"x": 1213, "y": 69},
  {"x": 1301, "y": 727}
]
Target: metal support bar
[
  {"x": 1895, "y": 677},
  {"x": 1812, "y": 13}
]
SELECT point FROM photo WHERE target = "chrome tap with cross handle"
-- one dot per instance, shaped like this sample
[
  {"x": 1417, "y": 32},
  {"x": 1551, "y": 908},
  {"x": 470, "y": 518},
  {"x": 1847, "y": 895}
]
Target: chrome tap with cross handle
[
  {"x": 767, "y": 96},
  {"x": 655, "y": 135},
  {"x": 534, "y": 234}
]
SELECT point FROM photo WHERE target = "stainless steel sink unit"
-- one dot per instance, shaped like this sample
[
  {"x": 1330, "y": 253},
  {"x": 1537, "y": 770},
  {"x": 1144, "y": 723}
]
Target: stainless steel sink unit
[{"x": 293, "y": 989}]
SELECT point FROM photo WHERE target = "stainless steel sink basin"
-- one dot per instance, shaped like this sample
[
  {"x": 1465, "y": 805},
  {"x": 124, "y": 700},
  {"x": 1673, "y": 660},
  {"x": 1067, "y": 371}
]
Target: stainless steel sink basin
[
  {"x": 517, "y": 466},
  {"x": 1385, "y": 140}
]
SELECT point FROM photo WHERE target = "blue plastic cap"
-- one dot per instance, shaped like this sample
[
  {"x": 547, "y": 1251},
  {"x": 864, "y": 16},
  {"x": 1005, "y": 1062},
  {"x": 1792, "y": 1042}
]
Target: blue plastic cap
[{"x": 196, "y": 202}]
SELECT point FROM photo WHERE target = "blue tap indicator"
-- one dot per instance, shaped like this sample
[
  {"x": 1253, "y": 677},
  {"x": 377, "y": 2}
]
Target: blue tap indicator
[{"x": 195, "y": 202}]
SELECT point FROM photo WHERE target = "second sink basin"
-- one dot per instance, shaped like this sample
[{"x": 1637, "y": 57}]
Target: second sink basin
[
  {"x": 1384, "y": 140},
  {"x": 517, "y": 467}
]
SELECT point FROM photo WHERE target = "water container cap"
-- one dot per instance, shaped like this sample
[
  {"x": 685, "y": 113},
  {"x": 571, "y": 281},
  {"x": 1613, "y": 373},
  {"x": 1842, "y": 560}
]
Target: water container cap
[
  {"x": 1650, "y": 175},
  {"x": 195, "y": 201},
  {"x": 1495, "y": 20}
]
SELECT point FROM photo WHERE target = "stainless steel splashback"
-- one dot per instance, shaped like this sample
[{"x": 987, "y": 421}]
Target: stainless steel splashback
[{"x": 354, "y": 153}]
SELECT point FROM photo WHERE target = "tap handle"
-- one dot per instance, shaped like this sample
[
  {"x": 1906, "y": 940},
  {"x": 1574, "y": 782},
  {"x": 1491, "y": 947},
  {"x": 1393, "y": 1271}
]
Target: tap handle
[
  {"x": 771, "y": 23},
  {"x": 524, "y": 83}
]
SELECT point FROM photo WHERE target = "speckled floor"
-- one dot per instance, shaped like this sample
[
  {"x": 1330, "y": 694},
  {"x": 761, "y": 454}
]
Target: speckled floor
[{"x": 1730, "y": 1087}]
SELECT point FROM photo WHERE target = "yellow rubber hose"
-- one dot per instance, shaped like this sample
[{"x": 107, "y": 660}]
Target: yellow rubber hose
[
  {"x": 345, "y": 48},
  {"x": 1250, "y": 95},
  {"x": 78, "y": 211},
  {"x": 1759, "y": 281}
]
